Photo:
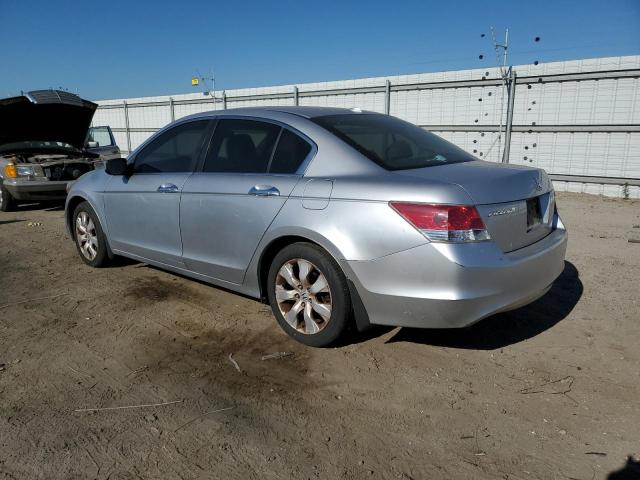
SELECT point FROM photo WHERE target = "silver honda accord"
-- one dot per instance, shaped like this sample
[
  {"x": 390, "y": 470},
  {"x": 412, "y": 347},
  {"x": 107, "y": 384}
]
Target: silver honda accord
[{"x": 338, "y": 218}]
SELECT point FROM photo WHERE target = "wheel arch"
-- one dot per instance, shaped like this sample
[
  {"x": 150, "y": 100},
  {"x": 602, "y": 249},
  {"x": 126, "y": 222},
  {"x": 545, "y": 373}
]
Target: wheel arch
[
  {"x": 271, "y": 250},
  {"x": 71, "y": 205},
  {"x": 276, "y": 244}
]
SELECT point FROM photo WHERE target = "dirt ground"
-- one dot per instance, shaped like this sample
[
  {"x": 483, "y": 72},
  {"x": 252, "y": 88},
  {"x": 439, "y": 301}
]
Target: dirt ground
[{"x": 548, "y": 391}]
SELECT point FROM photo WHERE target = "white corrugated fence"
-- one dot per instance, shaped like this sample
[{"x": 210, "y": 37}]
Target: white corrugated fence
[{"x": 579, "y": 120}]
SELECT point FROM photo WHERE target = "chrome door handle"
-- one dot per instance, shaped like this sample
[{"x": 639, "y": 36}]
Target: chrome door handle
[
  {"x": 264, "y": 191},
  {"x": 167, "y": 188}
]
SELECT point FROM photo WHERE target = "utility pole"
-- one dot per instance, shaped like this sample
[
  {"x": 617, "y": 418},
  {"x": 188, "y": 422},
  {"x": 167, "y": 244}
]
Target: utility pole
[
  {"x": 504, "y": 75},
  {"x": 508, "y": 79},
  {"x": 510, "y": 100}
]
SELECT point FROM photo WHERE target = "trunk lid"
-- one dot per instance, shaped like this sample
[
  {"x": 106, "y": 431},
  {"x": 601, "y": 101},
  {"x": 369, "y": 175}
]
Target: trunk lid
[
  {"x": 516, "y": 203},
  {"x": 44, "y": 116},
  {"x": 514, "y": 225}
]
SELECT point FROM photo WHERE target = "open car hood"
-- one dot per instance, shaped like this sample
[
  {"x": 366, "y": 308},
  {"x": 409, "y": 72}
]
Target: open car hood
[{"x": 45, "y": 116}]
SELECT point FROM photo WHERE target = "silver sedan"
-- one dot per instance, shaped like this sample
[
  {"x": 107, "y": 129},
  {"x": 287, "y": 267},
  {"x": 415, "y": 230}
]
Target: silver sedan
[{"x": 338, "y": 218}]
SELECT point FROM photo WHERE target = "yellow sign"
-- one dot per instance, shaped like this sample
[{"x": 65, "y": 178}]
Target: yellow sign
[{"x": 195, "y": 82}]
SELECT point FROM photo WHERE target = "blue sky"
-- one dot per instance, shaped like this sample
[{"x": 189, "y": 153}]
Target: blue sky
[{"x": 114, "y": 49}]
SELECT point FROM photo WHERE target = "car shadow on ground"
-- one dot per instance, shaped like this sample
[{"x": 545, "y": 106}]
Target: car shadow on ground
[
  {"x": 491, "y": 333},
  {"x": 506, "y": 328},
  {"x": 118, "y": 262},
  {"x": 631, "y": 471},
  {"x": 7, "y": 222}
]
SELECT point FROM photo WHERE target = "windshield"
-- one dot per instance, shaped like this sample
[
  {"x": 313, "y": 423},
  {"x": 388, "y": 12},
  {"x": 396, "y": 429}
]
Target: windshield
[{"x": 393, "y": 143}]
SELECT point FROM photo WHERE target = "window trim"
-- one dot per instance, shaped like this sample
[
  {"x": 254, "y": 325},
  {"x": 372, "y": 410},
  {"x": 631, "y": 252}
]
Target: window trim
[
  {"x": 275, "y": 148},
  {"x": 299, "y": 172},
  {"x": 131, "y": 160}
]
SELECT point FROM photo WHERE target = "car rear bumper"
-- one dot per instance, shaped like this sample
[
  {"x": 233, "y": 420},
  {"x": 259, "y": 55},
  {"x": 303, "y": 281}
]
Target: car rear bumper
[
  {"x": 36, "y": 190},
  {"x": 439, "y": 285}
]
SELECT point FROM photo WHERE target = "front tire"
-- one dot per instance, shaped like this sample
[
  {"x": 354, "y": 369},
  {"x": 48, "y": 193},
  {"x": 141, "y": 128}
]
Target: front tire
[
  {"x": 7, "y": 202},
  {"x": 89, "y": 237},
  {"x": 309, "y": 295}
]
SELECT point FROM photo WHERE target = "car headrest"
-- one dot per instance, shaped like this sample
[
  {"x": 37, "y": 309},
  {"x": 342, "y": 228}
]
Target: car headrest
[
  {"x": 399, "y": 149},
  {"x": 241, "y": 148}
]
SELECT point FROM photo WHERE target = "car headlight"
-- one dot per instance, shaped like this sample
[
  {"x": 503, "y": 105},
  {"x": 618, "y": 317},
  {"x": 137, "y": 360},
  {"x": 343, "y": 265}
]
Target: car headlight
[
  {"x": 14, "y": 171},
  {"x": 23, "y": 171}
]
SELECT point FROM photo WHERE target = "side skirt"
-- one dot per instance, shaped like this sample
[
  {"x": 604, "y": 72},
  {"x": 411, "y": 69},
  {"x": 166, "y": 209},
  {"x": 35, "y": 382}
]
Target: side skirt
[{"x": 234, "y": 287}]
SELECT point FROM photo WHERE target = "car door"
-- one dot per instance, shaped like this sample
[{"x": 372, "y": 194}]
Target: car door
[
  {"x": 100, "y": 140},
  {"x": 143, "y": 208},
  {"x": 249, "y": 171}
]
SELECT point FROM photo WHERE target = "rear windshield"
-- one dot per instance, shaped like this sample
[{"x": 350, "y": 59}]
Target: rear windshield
[{"x": 393, "y": 143}]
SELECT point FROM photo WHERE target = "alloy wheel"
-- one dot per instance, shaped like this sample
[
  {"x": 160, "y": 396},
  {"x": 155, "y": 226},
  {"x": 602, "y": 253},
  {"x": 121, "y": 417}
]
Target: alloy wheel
[
  {"x": 86, "y": 236},
  {"x": 303, "y": 296}
]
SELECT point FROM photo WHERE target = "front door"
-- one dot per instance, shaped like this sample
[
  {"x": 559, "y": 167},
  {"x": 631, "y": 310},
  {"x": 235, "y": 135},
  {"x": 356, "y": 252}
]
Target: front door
[
  {"x": 143, "y": 209},
  {"x": 249, "y": 172},
  {"x": 103, "y": 143}
]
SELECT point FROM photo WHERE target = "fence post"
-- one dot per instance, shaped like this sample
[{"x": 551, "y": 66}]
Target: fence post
[
  {"x": 510, "y": 103},
  {"x": 224, "y": 99},
  {"x": 172, "y": 109},
  {"x": 387, "y": 97},
  {"x": 126, "y": 126},
  {"x": 295, "y": 96}
]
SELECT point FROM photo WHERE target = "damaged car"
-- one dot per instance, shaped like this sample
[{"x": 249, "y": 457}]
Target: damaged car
[{"x": 42, "y": 145}]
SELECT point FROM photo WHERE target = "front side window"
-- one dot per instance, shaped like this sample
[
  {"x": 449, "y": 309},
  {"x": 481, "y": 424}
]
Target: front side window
[
  {"x": 176, "y": 150},
  {"x": 241, "y": 146},
  {"x": 100, "y": 135},
  {"x": 392, "y": 143}
]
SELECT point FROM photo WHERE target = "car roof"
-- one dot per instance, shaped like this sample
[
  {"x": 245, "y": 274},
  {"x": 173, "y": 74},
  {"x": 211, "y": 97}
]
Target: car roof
[{"x": 306, "y": 112}]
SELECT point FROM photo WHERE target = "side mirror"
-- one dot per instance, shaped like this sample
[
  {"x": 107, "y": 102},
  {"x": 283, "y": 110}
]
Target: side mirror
[
  {"x": 93, "y": 144},
  {"x": 117, "y": 166}
]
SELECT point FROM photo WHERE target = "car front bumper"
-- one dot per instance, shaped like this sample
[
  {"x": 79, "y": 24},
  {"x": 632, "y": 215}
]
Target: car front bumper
[
  {"x": 438, "y": 285},
  {"x": 36, "y": 190}
]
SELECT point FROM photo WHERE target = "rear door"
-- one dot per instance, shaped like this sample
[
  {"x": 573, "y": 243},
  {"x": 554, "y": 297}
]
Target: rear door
[
  {"x": 143, "y": 209},
  {"x": 249, "y": 171}
]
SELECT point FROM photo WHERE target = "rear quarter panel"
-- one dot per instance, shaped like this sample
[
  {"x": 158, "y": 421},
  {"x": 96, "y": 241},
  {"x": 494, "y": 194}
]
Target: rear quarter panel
[{"x": 356, "y": 223}]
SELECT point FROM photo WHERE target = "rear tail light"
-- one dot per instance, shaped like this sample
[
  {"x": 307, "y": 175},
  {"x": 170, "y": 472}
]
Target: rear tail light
[{"x": 444, "y": 223}]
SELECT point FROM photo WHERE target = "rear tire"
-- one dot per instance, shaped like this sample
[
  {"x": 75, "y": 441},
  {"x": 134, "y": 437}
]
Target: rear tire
[
  {"x": 7, "y": 202},
  {"x": 89, "y": 237},
  {"x": 309, "y": 295}
]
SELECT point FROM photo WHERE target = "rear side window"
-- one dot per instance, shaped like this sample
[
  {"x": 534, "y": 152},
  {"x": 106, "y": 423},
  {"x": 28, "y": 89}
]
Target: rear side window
[
  {"x": 241, "y": 146},
  {"x": 392, "y": 143},
  {"x": 176, "y": 150},
  {"x": 290, "y": 153}
]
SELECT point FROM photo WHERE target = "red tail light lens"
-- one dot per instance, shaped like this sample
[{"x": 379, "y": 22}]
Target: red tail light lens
[{"x": 444, "y": 223}]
